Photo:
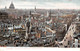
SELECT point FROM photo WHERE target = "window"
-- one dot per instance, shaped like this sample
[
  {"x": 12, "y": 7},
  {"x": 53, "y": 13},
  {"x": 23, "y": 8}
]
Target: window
[
  {"x": 69, "y": 29},
  {"x": 72, "y": 27},
  {"x": 64, "y": 39},
  {"x": 68, "y": 42},
  {"x": 74, "y": 32}
]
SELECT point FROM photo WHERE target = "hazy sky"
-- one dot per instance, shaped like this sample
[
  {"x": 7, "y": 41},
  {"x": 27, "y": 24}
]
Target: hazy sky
[{"x": 45, "y": 4}]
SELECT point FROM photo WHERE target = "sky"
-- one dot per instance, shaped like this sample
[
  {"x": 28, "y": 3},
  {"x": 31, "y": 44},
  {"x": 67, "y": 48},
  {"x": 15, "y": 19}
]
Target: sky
[{"x": 42, "y": 4}]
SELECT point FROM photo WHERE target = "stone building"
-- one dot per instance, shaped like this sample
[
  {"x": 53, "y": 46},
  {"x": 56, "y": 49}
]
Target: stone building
[{"x": 11, "y": 6}]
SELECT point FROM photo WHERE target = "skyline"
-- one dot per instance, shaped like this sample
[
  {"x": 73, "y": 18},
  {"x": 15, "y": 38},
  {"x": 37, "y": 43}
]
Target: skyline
[{"x": 41, "y": 4}]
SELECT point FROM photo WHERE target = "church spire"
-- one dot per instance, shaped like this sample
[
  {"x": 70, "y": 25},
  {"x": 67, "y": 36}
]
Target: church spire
[
  {"x": 35, "y": 8},
  {"x": 50, "y": 13}
]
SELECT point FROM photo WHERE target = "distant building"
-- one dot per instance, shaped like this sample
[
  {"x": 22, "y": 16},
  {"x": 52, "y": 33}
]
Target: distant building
[
  {"x": 35, "y": 13},
  {"x": 78, "y": 17},
  {"x": 35, "y": 9},
  {"x": 11, "y": 6},
  {"x": 5, "y": 7},
  {"x": 47, "y": 13},
  {"x": 3, "y": 15}
]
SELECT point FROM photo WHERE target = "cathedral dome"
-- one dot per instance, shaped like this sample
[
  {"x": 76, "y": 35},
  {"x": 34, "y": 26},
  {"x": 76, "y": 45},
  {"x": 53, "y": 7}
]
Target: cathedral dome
[{"x": 11, "y": 6}]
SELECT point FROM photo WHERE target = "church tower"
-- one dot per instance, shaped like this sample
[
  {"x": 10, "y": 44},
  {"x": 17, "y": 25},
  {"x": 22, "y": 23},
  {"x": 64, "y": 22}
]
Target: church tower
[
  {"x": 50, "y": 14},
  {"x": 35, "y": 9},
  {"x": 28, "y": 26}
]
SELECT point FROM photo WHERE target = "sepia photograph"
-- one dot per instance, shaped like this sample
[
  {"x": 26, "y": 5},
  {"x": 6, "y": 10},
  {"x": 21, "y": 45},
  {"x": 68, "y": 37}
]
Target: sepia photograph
[{"x": 40, "y": 23}]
